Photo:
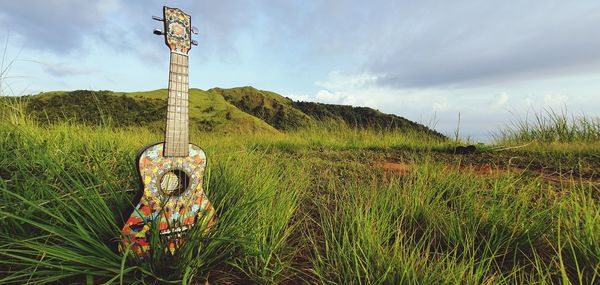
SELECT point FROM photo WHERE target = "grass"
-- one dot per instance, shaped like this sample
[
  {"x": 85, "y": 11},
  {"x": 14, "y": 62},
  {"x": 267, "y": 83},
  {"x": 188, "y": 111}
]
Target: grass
[
  {"x": 309, "y": 206},
  {"x": 551, "y": 126}
]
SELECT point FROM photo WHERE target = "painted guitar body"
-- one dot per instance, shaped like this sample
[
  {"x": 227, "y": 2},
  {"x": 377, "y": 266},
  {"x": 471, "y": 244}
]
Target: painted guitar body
[{"x": 174, "y": 211}]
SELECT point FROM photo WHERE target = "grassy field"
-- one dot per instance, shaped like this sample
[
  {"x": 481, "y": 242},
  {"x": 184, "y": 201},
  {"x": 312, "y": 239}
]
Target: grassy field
[{"x": 323, "y": 205}]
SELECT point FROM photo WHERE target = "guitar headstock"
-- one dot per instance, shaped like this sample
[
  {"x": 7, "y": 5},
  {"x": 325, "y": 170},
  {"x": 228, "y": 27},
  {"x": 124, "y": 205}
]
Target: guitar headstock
[{"x": 177, "y": 30}]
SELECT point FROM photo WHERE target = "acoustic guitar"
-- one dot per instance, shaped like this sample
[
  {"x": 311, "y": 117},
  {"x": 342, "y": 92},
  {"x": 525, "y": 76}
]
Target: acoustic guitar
[{"x": 171, "y": 172}]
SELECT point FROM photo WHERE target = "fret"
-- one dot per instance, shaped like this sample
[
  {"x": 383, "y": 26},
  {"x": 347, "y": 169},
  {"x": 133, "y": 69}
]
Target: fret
[
  {"x": 181, "y": 66},
  {"x": 177, "y": 94},
  {"x": 177, "y": 117},
  {"x": 176, "y": 134},
  {"x": 179, "y": 77},
  {"x": 177, "y": 81},
  {"x": 178, "y": 113},
  {"x": 176, "y": 98},
  {"x": 182, "y": 79},
  {"x": 178, "y": 88},
  {"x": 177, "y": 107},
  {"x": 179, "y": 97},
  {"x": 181, "y": 69}
]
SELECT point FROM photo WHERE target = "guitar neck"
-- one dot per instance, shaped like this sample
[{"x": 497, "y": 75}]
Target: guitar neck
[{"x": 176, "y": 133}]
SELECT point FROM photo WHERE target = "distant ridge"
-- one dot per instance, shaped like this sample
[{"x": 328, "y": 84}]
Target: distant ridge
[{"x": 240, "y": 109}]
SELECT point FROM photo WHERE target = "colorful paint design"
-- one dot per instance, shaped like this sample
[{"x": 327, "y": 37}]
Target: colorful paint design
[
  {"x": 177, "y": 213},
  {"x": 178, "y": 30}
]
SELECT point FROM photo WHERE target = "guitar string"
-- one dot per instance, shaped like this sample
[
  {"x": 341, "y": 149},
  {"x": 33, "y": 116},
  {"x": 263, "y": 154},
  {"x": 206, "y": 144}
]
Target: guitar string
[
  {"x": 179, "y": 142},
  {"x": 186, "y": 94},
  {"x": 185, "y": 100},
  {"x": 185, "y": 126},
  {"x": 171, "y": 143},
  {"x": 175, "y": 115},
  {"x": 178, "y": 109},
  {"x": 174, "y": 107},
  {"x": 177, "y": 128},
  {"x": 172, "y": 94},
  {"x": 185, "y": 87},
  {"x": 177, "y": 95},
  {"x": 170, "y": 115},
  {"x": 181, "y": 109},
  {"x": 168, "y": 107},
  {"x": 179, "y": 146}
]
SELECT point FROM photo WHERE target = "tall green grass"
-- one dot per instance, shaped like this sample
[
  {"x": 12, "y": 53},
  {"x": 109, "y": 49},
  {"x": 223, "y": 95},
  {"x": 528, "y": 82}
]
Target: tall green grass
[
  {"x": 289, "y": 211},
  {"x": 65, "y": 191},
  {"x": 434, "y": 228},
  {"x": 550, "y": 126}
]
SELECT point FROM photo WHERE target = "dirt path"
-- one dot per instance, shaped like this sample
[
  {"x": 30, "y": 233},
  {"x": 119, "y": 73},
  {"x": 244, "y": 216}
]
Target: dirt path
[{"x": 489, "y": 170}]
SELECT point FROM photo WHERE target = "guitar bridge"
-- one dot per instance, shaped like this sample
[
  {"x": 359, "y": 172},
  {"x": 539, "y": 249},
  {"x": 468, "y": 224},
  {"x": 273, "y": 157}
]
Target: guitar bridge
[{"x": 176, "y": 231}]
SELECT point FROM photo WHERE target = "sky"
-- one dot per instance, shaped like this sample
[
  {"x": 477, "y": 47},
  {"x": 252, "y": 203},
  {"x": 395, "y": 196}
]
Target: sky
[{"x": 489, "y": 62}]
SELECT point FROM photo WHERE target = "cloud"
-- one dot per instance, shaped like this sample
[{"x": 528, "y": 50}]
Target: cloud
[
  {"x": 471, "y": 44},
  {"x": 338, "y": 80},
  {"x": 401, "y": 44},
  {"x": 501, "y": 101},
  {"x": 62, "y": 70},
  {"x": 56, "y": 25},
  {"x": 408, "y": 44},
  {"x": 440, "y": 106},
  {"x": 555, "y": 100},
  {"x": 221, "y": 24},
  {"x": 361, "y": 90},
  {"x": 64, "y": 26}
]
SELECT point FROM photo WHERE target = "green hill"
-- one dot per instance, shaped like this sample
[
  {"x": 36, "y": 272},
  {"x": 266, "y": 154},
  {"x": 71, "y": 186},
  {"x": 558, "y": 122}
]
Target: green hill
[
  {"x": 274, "y": 109},
  {"x": 242, "y": 109},
  {"x": 207, "y": 111},
  {"x": 360, "y": 117}
]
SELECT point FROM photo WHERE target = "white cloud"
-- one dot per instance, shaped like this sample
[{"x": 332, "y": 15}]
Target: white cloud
[
  {"x": 555, "y": 100},
  {"x": 440, "y": 106},
  {"x": 337, "y": 80},
  {"x": 61, "y": 69},
  {"x": 501, "y": 101},
  {"x": 361, "y": 90},
  {"x": 329, "y": 97}
]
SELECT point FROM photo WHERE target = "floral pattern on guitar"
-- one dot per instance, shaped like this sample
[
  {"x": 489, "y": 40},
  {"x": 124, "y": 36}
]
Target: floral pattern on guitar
[
  {"x": 178, "y": 30},
  {"x": 178, "y": 213}
]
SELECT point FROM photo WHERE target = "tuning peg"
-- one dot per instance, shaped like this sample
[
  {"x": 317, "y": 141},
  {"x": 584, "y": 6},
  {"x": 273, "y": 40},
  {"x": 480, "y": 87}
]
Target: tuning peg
[
  {"x": 194, "y": 30},
  {"x": 157, "y": 18},
  {"x": 194, "y": 42},
  {"x": 158, "y": 32}
]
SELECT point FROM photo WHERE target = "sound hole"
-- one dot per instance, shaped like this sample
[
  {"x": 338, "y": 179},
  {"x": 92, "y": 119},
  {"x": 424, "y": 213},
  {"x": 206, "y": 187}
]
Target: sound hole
[{"x": 174, "y": 182}]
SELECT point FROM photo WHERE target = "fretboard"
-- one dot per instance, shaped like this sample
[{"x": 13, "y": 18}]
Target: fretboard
[{"x": 176, "y": 134}]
